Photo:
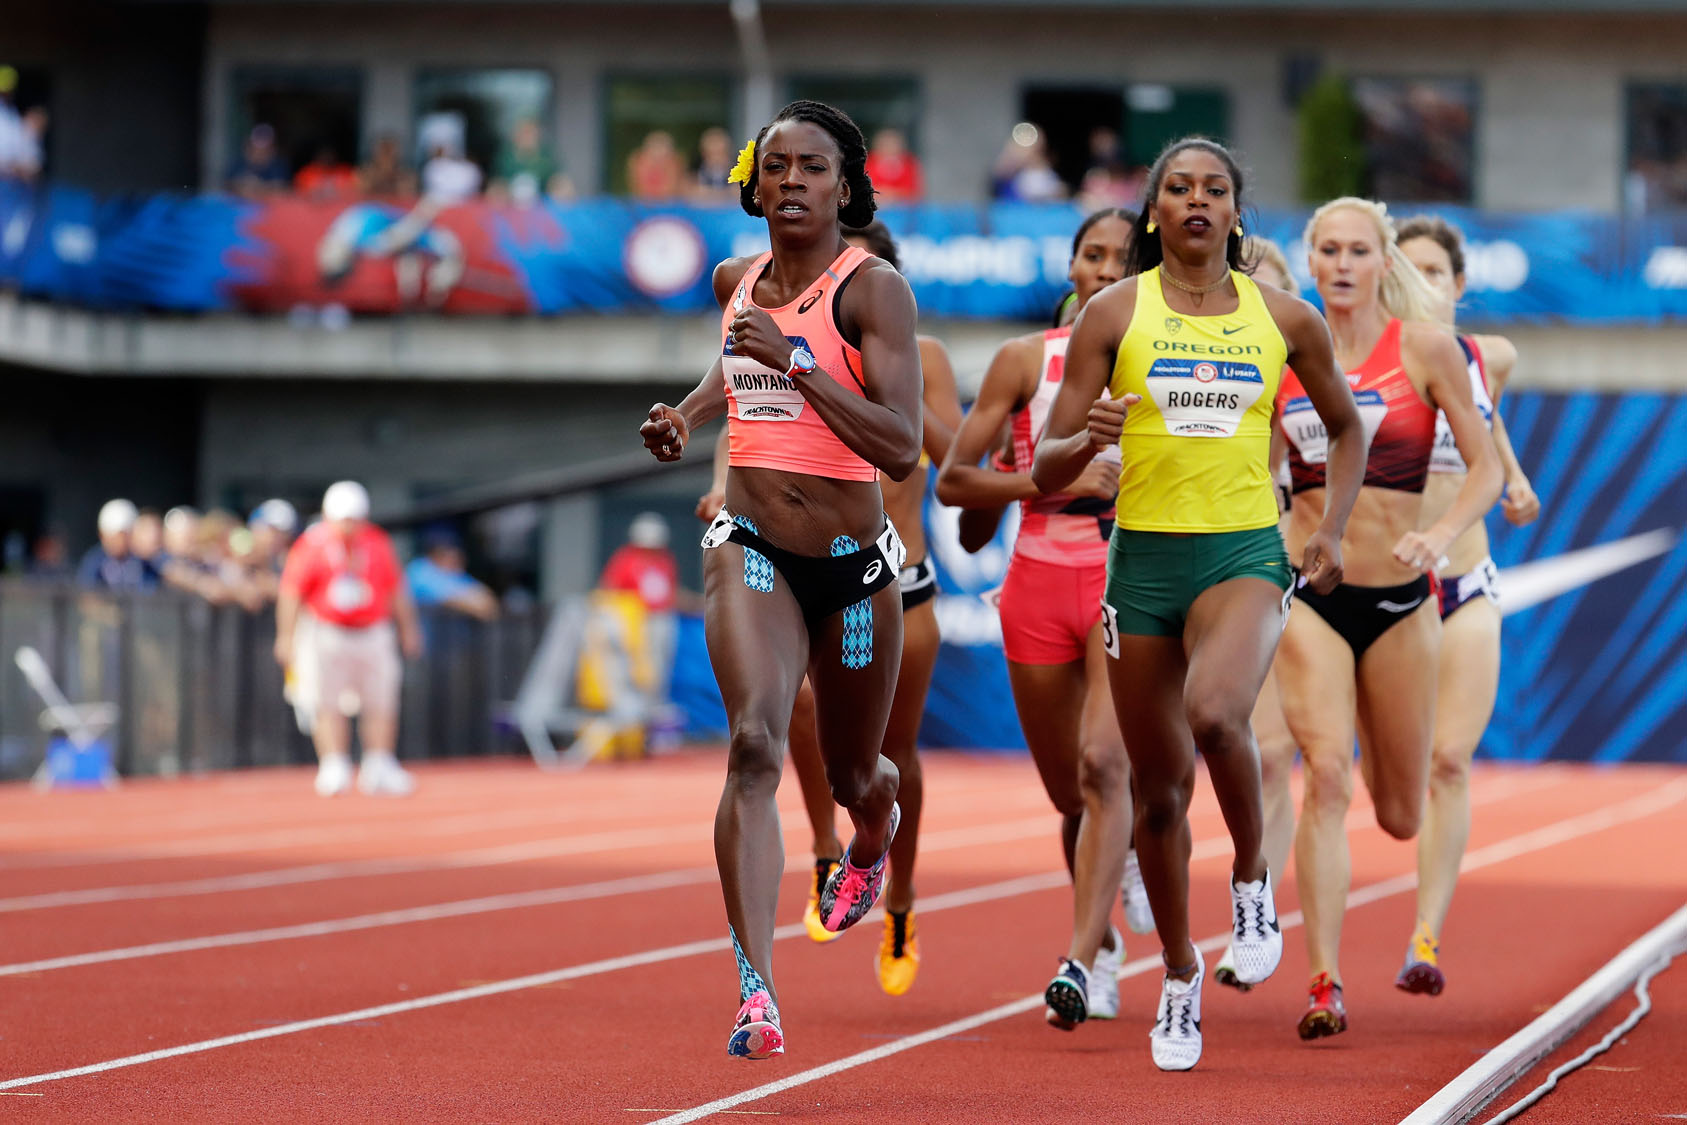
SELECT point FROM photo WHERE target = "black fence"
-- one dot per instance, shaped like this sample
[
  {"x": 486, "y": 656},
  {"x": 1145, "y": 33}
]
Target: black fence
[{"x": 196, "y": 686}]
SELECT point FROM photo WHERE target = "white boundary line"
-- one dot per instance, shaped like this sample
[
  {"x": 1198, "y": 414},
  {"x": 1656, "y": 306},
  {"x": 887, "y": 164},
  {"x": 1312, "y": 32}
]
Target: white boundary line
[
  {"x": 1468, "y": 1094},
  {"x": 479, "y": 857},
  {"x": 1551, "y": 834},
  {"x": 945, "y": 840}
]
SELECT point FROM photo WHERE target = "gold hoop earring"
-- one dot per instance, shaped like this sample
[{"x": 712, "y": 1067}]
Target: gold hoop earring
[
  {"x": 1151, "y": 227},
  {"x": 1238, "y": 230}
]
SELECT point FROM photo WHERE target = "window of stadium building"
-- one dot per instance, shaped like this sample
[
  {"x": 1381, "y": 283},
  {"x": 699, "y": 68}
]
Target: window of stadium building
[
  {"x": 1101, "y": 139},
  {"x": 1419, "y": 136},
  {"x": 1657, "y": 147},
  {"x": 309, "y": 110},
  {"x": 480, "y": 110},
  {"x": 652, "y": 128},
  {"x": 875, "y": 102}
]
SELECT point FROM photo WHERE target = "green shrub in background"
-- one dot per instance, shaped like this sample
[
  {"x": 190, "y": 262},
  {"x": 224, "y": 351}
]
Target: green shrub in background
[{"x": 1332, "y": 152}]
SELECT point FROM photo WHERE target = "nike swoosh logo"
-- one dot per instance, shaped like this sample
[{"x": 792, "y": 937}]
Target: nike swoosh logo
[
  {"x": 1229, "y": 331},
  {"x": 872, "y": 572},
  {"x": 1399, "y": 607},
  {"x": 1531, "y": 583}
]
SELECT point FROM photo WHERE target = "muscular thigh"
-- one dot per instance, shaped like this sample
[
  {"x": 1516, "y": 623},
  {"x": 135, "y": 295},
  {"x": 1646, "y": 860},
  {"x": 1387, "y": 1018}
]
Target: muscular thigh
[
  {"x": 1469, "y": 675},
  {"x": 853, "y": 661},
  {"x": 1396, "y": 705},
  {"x": 758, "y": 645},
  {"x": 1147, "y": 683},
  {"x": 1230, "y": 639},
  {"x": 1050, "y": 702},
  {"x": 1315, "y": 683}
]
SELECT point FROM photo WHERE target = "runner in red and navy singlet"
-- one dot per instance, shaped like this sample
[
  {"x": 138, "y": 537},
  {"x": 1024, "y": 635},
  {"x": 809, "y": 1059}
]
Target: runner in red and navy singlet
[{"x": 1368, "y": 646}]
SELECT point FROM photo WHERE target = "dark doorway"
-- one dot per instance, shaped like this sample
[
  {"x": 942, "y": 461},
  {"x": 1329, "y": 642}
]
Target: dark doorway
[{"x": 1068, "y": 117}]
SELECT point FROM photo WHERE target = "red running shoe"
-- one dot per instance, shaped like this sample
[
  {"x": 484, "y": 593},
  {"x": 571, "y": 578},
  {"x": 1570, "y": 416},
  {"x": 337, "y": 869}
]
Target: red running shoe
[{"x": 1325, "y": 1013}]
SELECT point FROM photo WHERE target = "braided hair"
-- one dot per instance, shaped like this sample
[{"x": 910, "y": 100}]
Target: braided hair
[
  {"x": 858, "y": 212},
  {"x": 1146, "y": 251}
]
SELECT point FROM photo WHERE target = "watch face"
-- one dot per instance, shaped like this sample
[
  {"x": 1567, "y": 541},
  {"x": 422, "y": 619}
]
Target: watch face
[{"x": 802, "y": 359}]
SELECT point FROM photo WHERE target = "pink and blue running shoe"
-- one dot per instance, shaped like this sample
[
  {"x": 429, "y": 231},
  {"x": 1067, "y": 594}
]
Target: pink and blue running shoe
[
  {"x": 851, "y": 891},
  {"x": 755, "y": 1033}
]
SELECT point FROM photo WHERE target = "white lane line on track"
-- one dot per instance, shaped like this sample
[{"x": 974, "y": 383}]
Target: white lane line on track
[
  {"x": 1204, "y": 849},
  {"x": 479, "y": 857},
  {"x": 1503, "y": 788},
  {"x": 295, "y": 835},
  {"x": 1547, "y": 836},
  {"x": 950, "y": 839}
]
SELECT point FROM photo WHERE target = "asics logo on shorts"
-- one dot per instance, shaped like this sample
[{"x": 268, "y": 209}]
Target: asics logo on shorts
[{"x": 872, "y": 572}]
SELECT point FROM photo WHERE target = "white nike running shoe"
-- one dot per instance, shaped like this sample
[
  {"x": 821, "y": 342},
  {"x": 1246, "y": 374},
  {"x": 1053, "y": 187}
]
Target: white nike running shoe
[
  {"x": 1256, "y": 940},
  {"x": 1176, "y": 1038},
  {"x": 1103, "y": 989},
  {"x": 1133, "y": 896}
]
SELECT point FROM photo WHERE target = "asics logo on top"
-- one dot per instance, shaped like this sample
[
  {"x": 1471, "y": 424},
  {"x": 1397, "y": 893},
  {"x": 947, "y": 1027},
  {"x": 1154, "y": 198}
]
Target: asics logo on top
[
  {"x": 872, "y": 572},
  {"x": 809, "y": 304}
]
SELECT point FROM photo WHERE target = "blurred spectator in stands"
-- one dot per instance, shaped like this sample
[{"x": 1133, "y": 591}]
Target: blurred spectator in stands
[
  {"x": 11, "y": 122},
  {"x": 1022, "y": 172},
  {"x": 49, "y": 558},
  {"x": 714, "y": 164},
  {"x": 22, "y": 142},
  {"x": 111, "y": 563},
  {"x": 146, "y": 541},
  {"x": 384, "y": 173},
  {"x": 526, "y": 170},
  {"x": 344, "y": 571},
  {"x": 326, "y": 177},
  {"x": 449, "y": 177},
  {"x": 1111, "y": 185},
  {"x": 644, "y": 565},
  {"x": 273, "y": 525},
  {"x": 439, "y": 577},
  {"x": 655, "y": 169},
  {"x": 894, "y": 170},
  {"x": 259, "y": 171}
]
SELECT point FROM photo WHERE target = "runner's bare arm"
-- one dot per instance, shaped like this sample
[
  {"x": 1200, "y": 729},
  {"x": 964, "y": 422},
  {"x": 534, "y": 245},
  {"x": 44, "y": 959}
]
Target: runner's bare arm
[{"x": 1080, "y": 424}]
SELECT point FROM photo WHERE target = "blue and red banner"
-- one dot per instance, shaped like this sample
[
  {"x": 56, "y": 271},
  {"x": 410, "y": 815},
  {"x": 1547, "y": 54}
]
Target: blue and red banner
[{"x": 998, "y": 261}]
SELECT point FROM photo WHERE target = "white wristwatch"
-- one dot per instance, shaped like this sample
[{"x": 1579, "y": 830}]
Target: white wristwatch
[{"x": 802, "y": 363}]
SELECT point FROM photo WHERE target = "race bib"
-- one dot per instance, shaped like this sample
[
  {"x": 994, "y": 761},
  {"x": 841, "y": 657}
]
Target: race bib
[
  {"x": 1310, "y": 437},
  {"x": 759, "y": 393},
  {"x": 1203, "y": 397}
]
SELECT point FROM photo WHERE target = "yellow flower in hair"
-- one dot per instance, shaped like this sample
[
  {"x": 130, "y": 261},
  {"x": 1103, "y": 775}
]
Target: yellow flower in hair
[{"x": 746, "y": 166}]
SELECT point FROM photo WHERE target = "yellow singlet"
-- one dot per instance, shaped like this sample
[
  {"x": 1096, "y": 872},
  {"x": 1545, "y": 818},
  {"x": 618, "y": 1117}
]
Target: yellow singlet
[{"x": 1196, "y": 447}]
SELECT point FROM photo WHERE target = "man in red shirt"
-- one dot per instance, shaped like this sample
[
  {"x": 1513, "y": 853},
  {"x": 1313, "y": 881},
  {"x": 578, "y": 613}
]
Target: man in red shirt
[
  {"x": 644, "y": 565},
  {"x": 344, "y": 574}
]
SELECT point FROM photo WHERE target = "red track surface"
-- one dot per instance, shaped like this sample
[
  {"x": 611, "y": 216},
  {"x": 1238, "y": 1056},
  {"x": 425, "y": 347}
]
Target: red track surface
[{"x": 159, "y": 862}]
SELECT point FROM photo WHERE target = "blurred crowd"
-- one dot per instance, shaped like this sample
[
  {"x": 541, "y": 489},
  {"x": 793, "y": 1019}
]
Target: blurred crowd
[
  {"x": 657, "y": 169},
  {"x": 217, "y": 556},
  {"x": 23, "y": 132}
]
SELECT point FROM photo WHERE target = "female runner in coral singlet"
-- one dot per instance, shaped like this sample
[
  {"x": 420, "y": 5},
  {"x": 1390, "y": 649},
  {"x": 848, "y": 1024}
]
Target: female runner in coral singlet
[
  {"x": 1051, "y": 624},
  {"x": 820, "y": 375},
  {"x": 1355, "y": 660},
  {"x": 1470, "y": 616},
  {"x": 1191, "y": 352},
  {"x": 897, "y": 962}
]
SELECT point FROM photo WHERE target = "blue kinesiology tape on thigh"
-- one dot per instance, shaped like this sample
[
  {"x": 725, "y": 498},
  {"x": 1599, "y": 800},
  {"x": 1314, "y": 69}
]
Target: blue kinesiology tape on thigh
[
  {"x": 758, "y": 571},
  {"x": 858, "y": 618},
  {"x": 749, "y": 981}
]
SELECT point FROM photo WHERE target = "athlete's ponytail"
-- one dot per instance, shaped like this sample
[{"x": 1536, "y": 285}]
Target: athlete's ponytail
[{"x": 1405, "y": 293}]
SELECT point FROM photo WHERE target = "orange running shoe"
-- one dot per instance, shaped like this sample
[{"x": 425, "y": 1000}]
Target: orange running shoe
[
  {"x": 1325, "y": 1013},
  {"x": 811, "y": 912},
  {"x": 1422, "y": 972},
  {"x": 898, "y": 961}
]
